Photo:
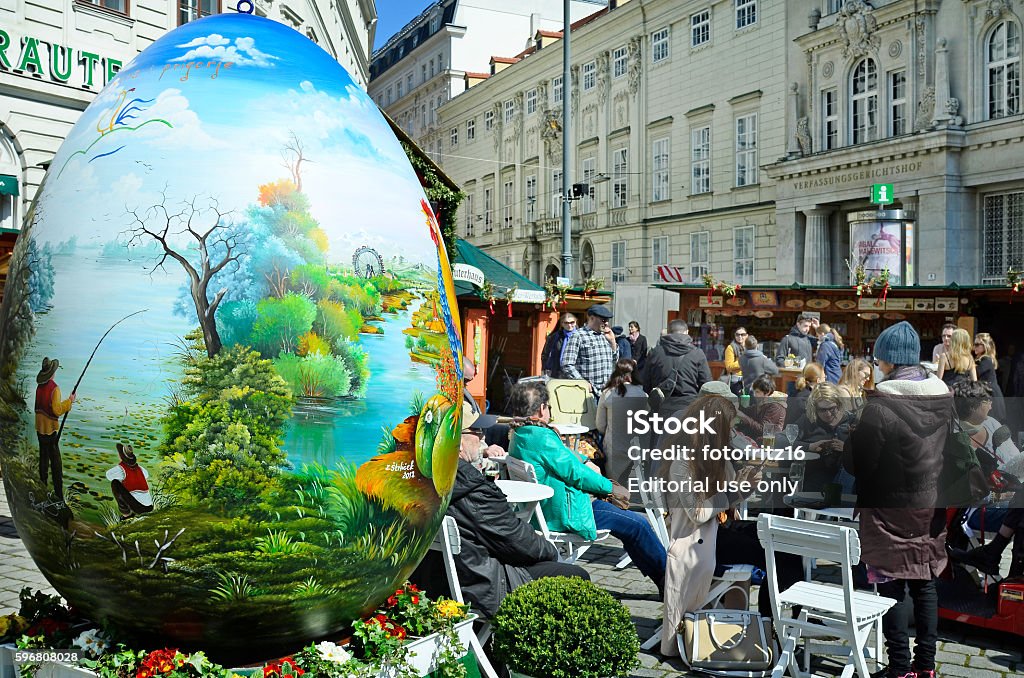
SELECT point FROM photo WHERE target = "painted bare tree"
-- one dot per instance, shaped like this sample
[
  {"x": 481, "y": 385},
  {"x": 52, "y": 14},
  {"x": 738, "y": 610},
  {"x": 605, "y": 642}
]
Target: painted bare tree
[
  {"x": 216, "y": 245},
  {"x": 294, "y": 155}
]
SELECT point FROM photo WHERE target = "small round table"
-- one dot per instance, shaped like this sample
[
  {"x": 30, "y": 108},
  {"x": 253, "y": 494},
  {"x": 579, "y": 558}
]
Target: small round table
[{"x": 525, "y": 495}]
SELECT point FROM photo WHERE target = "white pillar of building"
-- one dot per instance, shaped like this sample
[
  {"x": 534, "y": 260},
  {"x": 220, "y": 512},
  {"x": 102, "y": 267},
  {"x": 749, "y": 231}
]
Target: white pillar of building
[{"x": 817, "y": 248}]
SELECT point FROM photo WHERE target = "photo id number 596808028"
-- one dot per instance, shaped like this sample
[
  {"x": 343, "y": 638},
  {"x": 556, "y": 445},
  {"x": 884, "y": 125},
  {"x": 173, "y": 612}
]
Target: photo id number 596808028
[{"x": 43, "y": 656}]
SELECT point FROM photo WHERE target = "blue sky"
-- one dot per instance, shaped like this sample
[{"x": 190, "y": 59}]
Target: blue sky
[{"x": 393, "y": 14}]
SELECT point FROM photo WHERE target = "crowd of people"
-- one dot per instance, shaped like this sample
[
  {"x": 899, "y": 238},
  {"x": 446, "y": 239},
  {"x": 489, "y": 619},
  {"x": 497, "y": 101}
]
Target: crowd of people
[{"x": 877, "y": 429}]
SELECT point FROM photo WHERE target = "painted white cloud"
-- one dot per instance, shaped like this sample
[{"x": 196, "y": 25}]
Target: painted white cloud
[
  {"x": 186, "y": 131},
  {"x": 212, "y": 40},
  {"x": 218, "y": 48}
]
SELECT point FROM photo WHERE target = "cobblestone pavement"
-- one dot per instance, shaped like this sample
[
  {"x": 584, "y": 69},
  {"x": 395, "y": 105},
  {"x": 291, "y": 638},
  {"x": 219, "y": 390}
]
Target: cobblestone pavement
[{"x": 963, "y": 652}]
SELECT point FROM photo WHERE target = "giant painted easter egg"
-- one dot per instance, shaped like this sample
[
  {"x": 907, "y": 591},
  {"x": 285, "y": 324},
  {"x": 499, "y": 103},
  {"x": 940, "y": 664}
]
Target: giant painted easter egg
[{"x": 231, "y": 267}]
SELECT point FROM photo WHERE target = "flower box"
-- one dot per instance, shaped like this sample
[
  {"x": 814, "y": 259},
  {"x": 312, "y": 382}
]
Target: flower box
[{"x": 423, "y": 653}]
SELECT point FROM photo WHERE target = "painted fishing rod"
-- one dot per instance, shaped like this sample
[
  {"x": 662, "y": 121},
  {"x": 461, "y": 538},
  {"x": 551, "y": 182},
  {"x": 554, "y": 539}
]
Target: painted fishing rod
[{"x": 89, "y": 361}]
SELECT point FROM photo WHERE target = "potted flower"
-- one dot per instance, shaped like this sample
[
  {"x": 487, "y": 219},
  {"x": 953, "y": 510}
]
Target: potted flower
[
  {"x": 789, "y": 361},
  {"x": 562, "y": 627}
]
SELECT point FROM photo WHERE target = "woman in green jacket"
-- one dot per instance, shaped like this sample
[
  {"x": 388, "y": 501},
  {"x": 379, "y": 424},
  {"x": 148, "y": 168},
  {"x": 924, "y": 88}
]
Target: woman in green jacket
[{"x": 572, "y": 508}]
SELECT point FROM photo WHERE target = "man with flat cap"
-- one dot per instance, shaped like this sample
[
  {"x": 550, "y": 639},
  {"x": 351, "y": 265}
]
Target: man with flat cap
[
  {"x": 590, "y": 353},
  {"x": 50, "y": 407}
]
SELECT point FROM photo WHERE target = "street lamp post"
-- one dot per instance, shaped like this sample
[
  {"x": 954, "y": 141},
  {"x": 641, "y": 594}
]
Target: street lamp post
[{"x": 566, "y": 165}]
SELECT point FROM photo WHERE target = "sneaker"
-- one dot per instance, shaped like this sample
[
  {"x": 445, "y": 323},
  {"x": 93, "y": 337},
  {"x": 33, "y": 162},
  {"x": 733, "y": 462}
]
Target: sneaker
[{"x": 984, "y": 558}]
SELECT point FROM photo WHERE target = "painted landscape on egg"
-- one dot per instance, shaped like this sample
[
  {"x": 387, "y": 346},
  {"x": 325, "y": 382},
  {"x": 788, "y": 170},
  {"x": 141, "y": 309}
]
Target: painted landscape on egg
[{"x": 238, "y": 265}]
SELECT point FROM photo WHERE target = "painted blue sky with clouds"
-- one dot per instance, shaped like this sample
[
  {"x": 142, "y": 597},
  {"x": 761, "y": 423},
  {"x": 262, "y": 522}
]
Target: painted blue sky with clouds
[{"x": 219, "y": 130}]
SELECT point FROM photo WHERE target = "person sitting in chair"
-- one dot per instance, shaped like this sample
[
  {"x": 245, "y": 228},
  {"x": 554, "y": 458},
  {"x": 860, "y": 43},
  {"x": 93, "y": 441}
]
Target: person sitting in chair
[
  {"x": 571, "y": 508},
  {"x": 499, "y": 551}
]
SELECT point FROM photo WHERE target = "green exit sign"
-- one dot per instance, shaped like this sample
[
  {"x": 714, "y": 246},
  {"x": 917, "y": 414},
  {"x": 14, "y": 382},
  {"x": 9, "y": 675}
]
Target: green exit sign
[{"x": 881, "y": 194}]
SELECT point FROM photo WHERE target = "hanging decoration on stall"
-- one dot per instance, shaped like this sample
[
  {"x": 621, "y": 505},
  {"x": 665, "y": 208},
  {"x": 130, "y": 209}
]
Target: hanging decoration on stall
[
  {"x": 486, "y": 293},
  {"x": 882, "y": 281},
  {"x": 592, "y": 286},
  {"x": 555, "y": 294},
  {"x": 510, "y": 293},
  {"x": 863, "y": 285},
  {"x": 720, "y": 286},
  {"x": 1015, "y": 281}
]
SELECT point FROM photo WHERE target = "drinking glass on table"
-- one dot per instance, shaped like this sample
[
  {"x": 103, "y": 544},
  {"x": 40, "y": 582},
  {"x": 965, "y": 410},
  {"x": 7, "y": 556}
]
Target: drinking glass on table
[{"x": 768, "y": 433}]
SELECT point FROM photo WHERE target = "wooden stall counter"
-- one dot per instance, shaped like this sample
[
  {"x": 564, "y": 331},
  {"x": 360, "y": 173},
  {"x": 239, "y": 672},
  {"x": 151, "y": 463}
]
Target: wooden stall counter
[{"x": 787, "y": 376}]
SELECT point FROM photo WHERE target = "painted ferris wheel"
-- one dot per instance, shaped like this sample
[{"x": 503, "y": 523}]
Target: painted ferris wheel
[{"x": 366, "y": 262}]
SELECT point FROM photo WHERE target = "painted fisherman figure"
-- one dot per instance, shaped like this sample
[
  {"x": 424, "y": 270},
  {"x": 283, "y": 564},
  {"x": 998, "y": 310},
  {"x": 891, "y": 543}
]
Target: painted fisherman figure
[
  {"x": 129, "y": 484},
  {"x": 49, "y": 409}
]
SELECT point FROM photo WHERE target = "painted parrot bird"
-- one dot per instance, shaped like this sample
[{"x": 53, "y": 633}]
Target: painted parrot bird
[
  {"x": 445, "y": 287},
  {"x": 438, "y": 433}
]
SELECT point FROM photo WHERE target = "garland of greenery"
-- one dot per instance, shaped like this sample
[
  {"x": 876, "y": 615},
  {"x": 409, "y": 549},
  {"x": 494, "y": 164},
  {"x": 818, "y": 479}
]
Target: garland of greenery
[
  {"x": 1014, "y": 281},
  {"x": 445, "y": 199}
]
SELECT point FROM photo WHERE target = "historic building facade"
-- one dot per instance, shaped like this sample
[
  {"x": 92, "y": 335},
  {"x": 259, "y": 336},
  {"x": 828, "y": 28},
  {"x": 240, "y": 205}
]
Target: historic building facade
[
  {"x": 56, "y": 55},
  {"x": 923, "y": 96},
  {"x": 425, "y": 64},
  {"x": 675, "y": 107}
]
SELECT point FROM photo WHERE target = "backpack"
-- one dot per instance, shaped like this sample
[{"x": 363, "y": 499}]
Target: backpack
[{"x": 963, "y": 481}]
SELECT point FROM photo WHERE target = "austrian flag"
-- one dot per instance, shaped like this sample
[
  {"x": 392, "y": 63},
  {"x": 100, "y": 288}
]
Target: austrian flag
[{"x": 668, "y": 274}]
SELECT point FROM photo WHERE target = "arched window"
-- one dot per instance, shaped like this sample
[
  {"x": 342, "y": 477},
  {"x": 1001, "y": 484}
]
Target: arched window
[
  {"x": 864, "y": 109},
  {"x": 587, "y": 260},
  {"x": 1002, "y": 70}
]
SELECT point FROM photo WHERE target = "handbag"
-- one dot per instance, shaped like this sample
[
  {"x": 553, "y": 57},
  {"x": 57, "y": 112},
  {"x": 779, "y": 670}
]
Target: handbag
[
  {"x": 619, "y": 497},
  {"x": 727, "y": 640}
]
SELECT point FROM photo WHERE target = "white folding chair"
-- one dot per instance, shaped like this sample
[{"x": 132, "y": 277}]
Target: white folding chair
[
  {"x": 828, "y": 610},
  {"x": 449, "y": 543},
  {"x": 570, "y": 545}
]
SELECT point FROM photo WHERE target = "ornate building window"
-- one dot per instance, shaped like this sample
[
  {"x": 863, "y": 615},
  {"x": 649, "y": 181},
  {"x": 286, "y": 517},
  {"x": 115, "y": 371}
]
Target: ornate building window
[
  {"x": 829, "y": 120},
  {"x": 1003, "y": 245},
  {"x": 531, "y": 198},
  {"x": 700, "y": 254},
  {"x": 587, "y": 203},
  {"x": 589, "y": 76},
  {"x": 700, "y": 28},
  {"x": 531, "y": 101},
  {"x": 864, "y": 112},
  {"x": 620, "y": 178},
  {"x": 743, "y": 254},
  {"x": 556, "y": 90},
  {"x": 470, "y": 130},
  {"x": 659, "y": 45},
  {"x": 700, "y": 160},
  {"x": 619, "y": 62},
  {"x": 660, "y": 187},
  {"x": 898, "y": 103},
  {"x": 659, "y": 250},
  {"x": 746, "y": 150},
  {"x": 619, "y": 261},
  {"x": 746, "y": 13},
  {"x": 556, "y": 193},
  {"x": 1002, "y": 70}
]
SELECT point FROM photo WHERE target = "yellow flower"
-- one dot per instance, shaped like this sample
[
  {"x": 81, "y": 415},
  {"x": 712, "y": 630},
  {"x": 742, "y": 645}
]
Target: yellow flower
[{"x": 450, "y": 609}]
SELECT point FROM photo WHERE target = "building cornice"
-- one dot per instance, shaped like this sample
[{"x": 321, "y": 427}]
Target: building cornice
[{"x": 864, "y": 155}]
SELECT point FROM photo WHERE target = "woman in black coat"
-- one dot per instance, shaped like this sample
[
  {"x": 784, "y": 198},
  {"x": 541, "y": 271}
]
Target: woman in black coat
[{"x": 985, "y": 357}]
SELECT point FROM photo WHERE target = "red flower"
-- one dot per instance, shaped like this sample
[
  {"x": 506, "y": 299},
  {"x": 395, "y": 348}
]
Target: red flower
[
  {"x": 412, "y": 587},
  {"x": 392, "y": 601},
  {"x": 144, "y": 672},
  {"x": 415, "y": 600},
  {"x": 271, "y": 669},
  {"x": 398, "y": 632}
]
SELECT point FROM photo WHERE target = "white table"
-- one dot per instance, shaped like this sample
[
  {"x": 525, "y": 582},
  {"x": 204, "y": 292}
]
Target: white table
[{"x": 524, "y": 495}]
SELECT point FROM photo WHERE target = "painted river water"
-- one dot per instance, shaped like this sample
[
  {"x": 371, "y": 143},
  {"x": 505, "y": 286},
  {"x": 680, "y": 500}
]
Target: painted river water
[{"x": 127, "y": 387}]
